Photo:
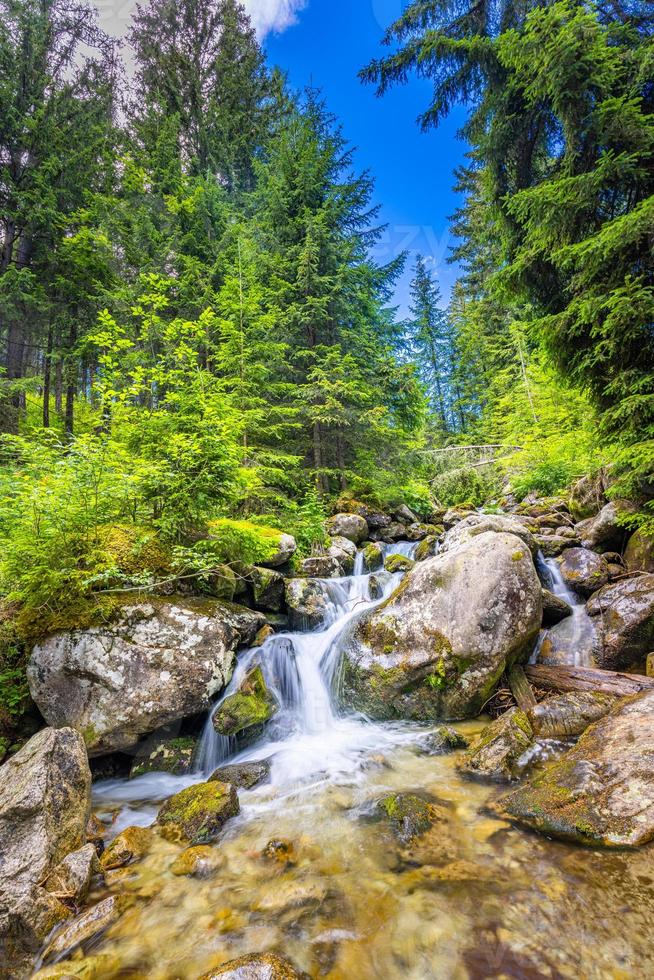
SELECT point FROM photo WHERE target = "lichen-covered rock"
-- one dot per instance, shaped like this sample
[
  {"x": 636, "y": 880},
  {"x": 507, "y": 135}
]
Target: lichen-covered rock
[
  {"x": 409, "y": 816},
  {"x": 422, "y": 827},
  {"x": 45, "y": 804},
  {"x": 173, "y": 755},
  {"x": 583, "y": 571},
  {"x": 158, "y": 662},
  {"x": 553, "y": 545},
  {"x": 243, "y": 775},
  {"x": 307, "y": 604},
  {"x": 201, "y": 861},
  {"x": 321, "y": 566},
  {"x": 131, "y": 845},
  {"x": 428, "y": 547},
  {"x": 286, "y": 546},
  {"x": 623, "y": 615},
  {"x": 373, "y": 557},
  {"x": 475, "y": 524},
  {"x": 267, "y": 588},
  {"x": 605, "y": 531},
  {"x": 456, "y": 514},
  {"x": 262, "y": 966},
  {"x": 250, "y": 707},
  {"x": 588, "y": 496},
  {"x": 198, "y": 814},
  {"x": 437, "y": 647},
  {"x": 555, "y": 609},
  {"x": 601, "y": 792},
  {"x": 350, "y": 526},
  {"x": 418, "y": 532},
  {"x": 639, "y": 553},
  {"x": 344, "y": 551},
  {"x": 71, "y": 879},
  {"x": 398, "y": 563},
  {"x": 568, "y": 715},
  {"x": 221, "y": 583},
  {"x": 442, "y": 741},
  {"x": 496, "y": 752}
]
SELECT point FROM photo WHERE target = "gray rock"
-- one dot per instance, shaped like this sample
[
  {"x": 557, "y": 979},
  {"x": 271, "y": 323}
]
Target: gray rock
[
  {"x": 605, "y": 532},
  {"x": 601, "y": 793},
  {"x": 639, "y": 553},
  {"x": 307, "y": 604},
  {"x": 45, "y": 805},
  {"x": 442, "y": 741},
  {"x": 83, "y": 928},
  {"x": 568, "y": 715},
  {"x": 243, "y": 775},
  {"x": 623, "y": 614},
  {"x": 588, "y": 496},
  {"x": 263, "y": 966},
  {"x": 404, "y": 515},
  {"x": 321, "y": 566},
  {"x": 456, "y": 514},
  {"x": 394, "y": 532},
  {"x": 583, "y": 571},
  {"x": 437, "y": 647},
  {"x": 267, "y": 589},
  {"x": 71, "y": 879},
  {"x": 344, "y": 551},
  {"x": 350, "y": 526},
  {"x": 555, "y": 609},
  {"x": 553, "y": 545},
  {"x": 476, "y": 524},
  {"x": 158, "y": 662},
  {"x": 496, "y": 753},
  {"x": 173, "y": 754},
  {"x": 286, "y": 548},
  {"x": 373, "y": 557}
]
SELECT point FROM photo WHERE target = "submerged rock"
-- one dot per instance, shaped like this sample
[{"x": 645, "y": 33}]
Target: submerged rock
[
  {"x": 437, "y": 647},
  {"x": 198, "y": 814},
  {"x": 583, "y": 571},
  {"x": 130, "y": 845},
  {"x": 409, "y": 816},
  {"x": 398, "y": 563},
  {"x": 601, "y": 793},
  {"x": 85, "y": 927},
  {"x": 442, "y": 741},
  {"x": 623, "y": 615},
  {"x": 160, "y": 661},
  {"x": 350, "y": 526},
  {"x": 422, "y": 827},
  {"x": 201, "y": 861},
  {"x": 262, "y": 966},
  {"x": 570, "y": 714},
  {"x": 307, "y": 604},
  {"x": 71, "y": 879},
  {"x": 555, "y": 609},
  {"x": 250, "y": 707},
  {"x": 243, "y": 775},
  {"x": 496, "y": 752},
  {"x": 45, "y": 806}
]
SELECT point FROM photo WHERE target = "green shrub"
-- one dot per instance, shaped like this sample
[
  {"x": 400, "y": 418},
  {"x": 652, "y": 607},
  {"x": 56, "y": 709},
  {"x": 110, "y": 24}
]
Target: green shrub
[{"x": 467, "y": 485}]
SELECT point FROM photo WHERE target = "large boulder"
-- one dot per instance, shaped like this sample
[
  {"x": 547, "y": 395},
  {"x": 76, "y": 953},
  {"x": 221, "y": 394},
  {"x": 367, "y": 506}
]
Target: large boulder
[
  {"x": 45, "y": 805},
  {"x": 476, "y": 524},
  {"x": 583, "y": 571},
  {"x": 350, "y": 526},
  {"x": 248, "y": 709},
  {"x": 639, "y": 553},
  {"x": 553, "y": 545},
  {"x": 588, "y": 496},
  {"x": 286, "y": 546},
  {"x": 605, "y": 532},
  {"x": 267, "y": 589},
  {"x": 601, "y": 792},
  {"x": 568, "y": 715},
  {"x": 623, "y": 615},
  {"x": 156, "y": 663},
  {"x": 307, "y": 603},
  {"x": 438, "y": 645},
  {"x": 344, "y": 551}
]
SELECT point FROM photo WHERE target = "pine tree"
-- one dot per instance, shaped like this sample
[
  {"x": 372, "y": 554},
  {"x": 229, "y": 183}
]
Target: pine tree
[{"x": 429, "y": 338}]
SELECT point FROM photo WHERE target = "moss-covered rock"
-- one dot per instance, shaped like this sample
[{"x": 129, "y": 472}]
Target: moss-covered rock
[
  {"x": 639, "y": 553},
  {"x": 133, "y": 550},
  {"x": 408, "y": 816},
  {"x": 373, "y": 557},
  {"x": 623, "y": 616},
  {"x": 201, "y": 861},
  {"x": 262, "y": 966},
  {"x": 131, "y": 845},
  {"x": 588, "y": 496},
  {"x": 267, "y": 589},
  {"x": 198, "y": 814},
  {"x": 173, "y": 755},
  {"x": 601, "y": 792},
  {"x": 436, "y": 648},
  {"x": 350, "y": 526},
  {"x": 428, "y": 547},
  {"x": 398, "y": 563},
  {"x": 422, "y": 827},
  {"x": 307, "y": 604},
  {"x": 442, "y": 741},
  {"x": 568, "y": 715},
  {"x": 250, "y": 707},
  {"x": 495, "y": 754},
  {"x": 583, "y": 571}
]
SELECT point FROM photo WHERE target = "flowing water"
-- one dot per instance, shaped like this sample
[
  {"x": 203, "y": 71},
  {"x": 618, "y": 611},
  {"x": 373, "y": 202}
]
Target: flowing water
[
  {"x": 571, "y": 641},
  {"x": 346, "y": 901}
]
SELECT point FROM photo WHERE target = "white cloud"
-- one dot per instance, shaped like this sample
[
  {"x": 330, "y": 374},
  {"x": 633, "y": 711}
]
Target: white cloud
[{"x": 267, "y": 15}]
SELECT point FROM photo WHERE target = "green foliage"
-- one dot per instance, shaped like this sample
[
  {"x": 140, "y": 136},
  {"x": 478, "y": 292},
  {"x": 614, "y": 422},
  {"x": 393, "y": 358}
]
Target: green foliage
[{"x": 467, "y": 485}]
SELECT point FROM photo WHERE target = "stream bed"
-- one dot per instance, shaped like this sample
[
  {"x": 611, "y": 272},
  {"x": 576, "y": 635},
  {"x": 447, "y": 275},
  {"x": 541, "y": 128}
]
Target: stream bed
[{"x": 308, "y": 869}]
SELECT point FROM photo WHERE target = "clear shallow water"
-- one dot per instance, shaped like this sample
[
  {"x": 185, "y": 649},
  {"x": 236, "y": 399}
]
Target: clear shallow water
[
  {"x": 575, "y": 635},
  {"x": 479, "y": 898}
]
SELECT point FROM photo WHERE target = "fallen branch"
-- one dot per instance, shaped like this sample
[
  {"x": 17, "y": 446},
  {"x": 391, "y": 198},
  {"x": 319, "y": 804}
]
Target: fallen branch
[{"x": 564, "y": 679}]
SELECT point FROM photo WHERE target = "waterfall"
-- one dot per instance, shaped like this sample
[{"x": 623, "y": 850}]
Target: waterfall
[{"x": 573, "y": 639}]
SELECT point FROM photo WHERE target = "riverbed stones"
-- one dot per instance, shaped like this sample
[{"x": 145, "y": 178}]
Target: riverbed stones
[
  {"x": 307, "y": 604},
  {"x": 248, "y": 708},
  {"x": 71, "y": 879},
  {"x": 130, "y": 845},
  {"x": 442, "y": 741},
  {"x": 158, "y": 662},
  {"x": 262, "y": 966},
  {"x": 198, "y": 813},
  {"x": 601, "y": 792},
  {"x": 623, "y": 615},
  {"x": 495, "y": 754},
  {"x": 350, "y": 526},
  {"x": 45, "y": 802},
  {"x": 568, "y": 715},
  {"x": 85, "y": 927},
  {"x": 476, "y": 524},
  {"x": 201, "y": 861},
  {"x": 436, "y": 648},
  {"x": 321, "y": 566},
  {"x": 243, "y": 775},
  {"x": 373, "y": 557},
  {"x": 583, "y": 571},
  {"x": 555, "y": 609}
]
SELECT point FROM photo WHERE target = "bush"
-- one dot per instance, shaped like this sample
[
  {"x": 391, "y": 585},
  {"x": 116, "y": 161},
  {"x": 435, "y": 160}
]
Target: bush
[{"x": 467, "y": 485}]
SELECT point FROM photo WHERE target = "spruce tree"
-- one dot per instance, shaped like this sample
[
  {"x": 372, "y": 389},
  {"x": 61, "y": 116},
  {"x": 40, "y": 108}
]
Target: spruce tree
[{"x": 430, "y": 341}]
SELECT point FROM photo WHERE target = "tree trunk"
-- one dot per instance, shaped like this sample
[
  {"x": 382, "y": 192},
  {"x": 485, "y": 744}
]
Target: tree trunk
[
  {"x": 59, "y": 385},
  {"x": 71, "y": 383},
  {"x": 588, "y": 679},
  {"x": 318, "y": 457},
  {"x": 47, "y": 376}
]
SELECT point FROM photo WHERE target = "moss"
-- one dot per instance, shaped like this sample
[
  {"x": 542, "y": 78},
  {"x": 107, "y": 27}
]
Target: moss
[
  {"x": 132, "y": 549},
  {"x": 250, "y": 707},
  {"x": 517, "y": 556},
  {"x": 398, "y": 563},
  {"x": 198, "y": 813}
]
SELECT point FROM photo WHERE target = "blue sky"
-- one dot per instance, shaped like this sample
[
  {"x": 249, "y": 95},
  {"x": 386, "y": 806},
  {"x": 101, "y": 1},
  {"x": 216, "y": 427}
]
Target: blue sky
[{"x": 330, "y": 41}]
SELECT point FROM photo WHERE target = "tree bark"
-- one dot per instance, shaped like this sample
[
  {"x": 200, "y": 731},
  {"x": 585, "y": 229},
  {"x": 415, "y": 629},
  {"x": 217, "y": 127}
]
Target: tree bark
[
  {"x": 47, "y": 377},
  {"x": 588, "y": 679}
]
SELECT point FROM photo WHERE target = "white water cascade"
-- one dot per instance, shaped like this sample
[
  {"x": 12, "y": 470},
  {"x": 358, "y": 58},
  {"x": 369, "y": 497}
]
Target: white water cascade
[
  {"x": 573, "y": 639},
  {"x": 308, "y": 742}
]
